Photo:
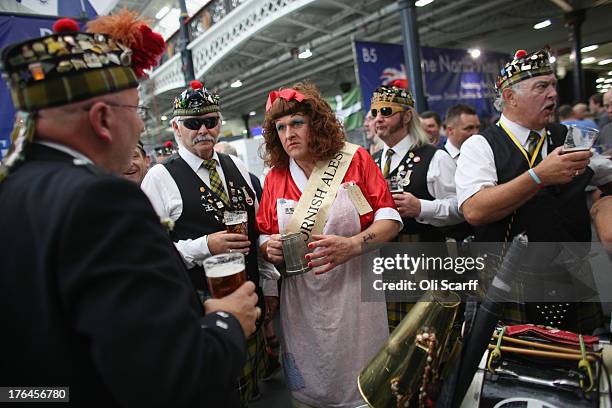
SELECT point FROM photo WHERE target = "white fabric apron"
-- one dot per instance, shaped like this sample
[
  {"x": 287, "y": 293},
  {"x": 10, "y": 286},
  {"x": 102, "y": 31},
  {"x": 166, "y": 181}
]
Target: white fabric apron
[{"x": 329, "y": 334}]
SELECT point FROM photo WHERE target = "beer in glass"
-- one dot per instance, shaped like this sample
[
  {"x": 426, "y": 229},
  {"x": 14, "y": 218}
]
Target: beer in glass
[
  {"x": 225, "y": 273},
  {"x": 236, "y": 222}
]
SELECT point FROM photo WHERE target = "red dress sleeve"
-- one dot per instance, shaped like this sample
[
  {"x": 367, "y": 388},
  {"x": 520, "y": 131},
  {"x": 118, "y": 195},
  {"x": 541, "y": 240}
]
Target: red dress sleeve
[
  {"x": 267, "y": 219},
  {"x": 366, "y": 174}
]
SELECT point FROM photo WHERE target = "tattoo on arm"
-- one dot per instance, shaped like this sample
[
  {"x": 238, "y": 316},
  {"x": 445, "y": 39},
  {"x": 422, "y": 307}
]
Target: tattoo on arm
[{"x": 369, "y": 237}]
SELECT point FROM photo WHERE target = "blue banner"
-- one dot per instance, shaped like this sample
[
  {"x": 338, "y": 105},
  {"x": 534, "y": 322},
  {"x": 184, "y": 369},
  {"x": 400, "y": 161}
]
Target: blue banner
[
  {"x": 451, "y": 76},
  {"x": 15, "y": 28}
]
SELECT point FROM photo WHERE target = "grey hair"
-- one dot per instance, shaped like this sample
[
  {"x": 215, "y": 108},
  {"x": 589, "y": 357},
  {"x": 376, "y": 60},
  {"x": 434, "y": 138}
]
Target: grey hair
[
  {"x": 415, "y": 129},
  {"x": 499, "y": 102}
]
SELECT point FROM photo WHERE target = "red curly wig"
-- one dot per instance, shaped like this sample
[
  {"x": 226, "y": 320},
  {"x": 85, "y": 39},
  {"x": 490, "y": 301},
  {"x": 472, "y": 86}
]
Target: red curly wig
[{"x": 326, "y": 132}]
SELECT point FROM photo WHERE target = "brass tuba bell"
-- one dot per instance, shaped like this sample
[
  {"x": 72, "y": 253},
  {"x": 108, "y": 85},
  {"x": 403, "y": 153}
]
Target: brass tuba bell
[{"x": 408, "y": 364}]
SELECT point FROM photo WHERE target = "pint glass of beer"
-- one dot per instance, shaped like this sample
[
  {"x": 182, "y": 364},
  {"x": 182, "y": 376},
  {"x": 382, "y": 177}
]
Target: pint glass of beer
[
  {"x": 236, "y": 222},
  {"x": 579, "y": 138},
  {"x": 225, "y": 273}
]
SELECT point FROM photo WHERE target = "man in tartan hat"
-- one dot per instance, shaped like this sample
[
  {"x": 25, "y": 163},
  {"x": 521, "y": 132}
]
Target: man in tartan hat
[
  {"x": 515, "y": 177},
  {"x": 94, "y": 297},
  {"x": 421, "y": 175},
  {"x": 195, "y": 188}
]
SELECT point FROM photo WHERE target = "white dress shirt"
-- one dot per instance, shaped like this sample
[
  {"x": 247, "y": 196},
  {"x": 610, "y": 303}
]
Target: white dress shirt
[
  {"x": 452, "y": 150},
  {"x": 476, "y": 166},
  {"x": 441, "y": 211},
  {"x": 166, "y": 199}
]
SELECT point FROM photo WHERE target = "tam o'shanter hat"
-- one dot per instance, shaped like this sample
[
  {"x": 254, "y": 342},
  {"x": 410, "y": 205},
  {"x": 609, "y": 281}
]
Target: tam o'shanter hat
[
  {"x": 71, "y": 66},
  {"x": 523, "y": 66},
  {"x": 195, "y": 100},
  {"x": 388, "y": 95}
]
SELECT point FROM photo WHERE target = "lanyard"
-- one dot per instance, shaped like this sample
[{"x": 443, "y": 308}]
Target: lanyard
[{"x": 536, "y": 152}]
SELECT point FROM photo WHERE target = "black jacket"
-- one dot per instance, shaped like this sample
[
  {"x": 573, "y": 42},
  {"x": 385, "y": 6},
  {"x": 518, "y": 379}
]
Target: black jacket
[{"x": 93, "y": 295}]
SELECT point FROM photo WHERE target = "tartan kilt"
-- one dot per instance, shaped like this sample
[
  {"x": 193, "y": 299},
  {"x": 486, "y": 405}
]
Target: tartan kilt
[
  {"x": 254, "y": 368},
  {"x": 256, "y": 363},
  {"x": 396, "y": 311}
]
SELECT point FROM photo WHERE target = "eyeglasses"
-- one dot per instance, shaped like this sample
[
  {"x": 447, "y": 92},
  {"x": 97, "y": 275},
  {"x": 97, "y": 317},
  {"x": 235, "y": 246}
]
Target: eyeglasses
[
  {"x": 387, "y": 111},
  {"x": 296, "y": 123},
  {"x": 143, "y": 111},
  {"x": 196, "y": 123}
]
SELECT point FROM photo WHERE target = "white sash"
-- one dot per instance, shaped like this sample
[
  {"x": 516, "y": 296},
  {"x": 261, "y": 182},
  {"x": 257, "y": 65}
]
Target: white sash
[{"x": 311, "y": 211}]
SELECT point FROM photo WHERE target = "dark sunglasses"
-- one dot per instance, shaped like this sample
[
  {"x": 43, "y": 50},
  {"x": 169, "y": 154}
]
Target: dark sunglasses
[
  {"x": 387, "y": 111},
  {"x": 196, "y": 123}
]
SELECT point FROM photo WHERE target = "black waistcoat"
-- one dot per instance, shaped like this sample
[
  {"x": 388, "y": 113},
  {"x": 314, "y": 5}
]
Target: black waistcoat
[
  {"x": 555, "y": 214},
  {"x": 458, "y": 231},
  {"x": 203, "y": 210},
  {"x": 416, "y": 160}
]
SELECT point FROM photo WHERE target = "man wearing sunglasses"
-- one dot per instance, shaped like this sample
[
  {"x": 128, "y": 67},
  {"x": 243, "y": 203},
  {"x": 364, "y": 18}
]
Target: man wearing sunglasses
[
  {"x": 194, "y": 188},
  {"x": 426, "y": 197}
]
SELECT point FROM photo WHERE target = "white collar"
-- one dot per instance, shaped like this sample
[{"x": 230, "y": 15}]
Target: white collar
[
  {"x": 451, "y": 149},
  {"x": 193, "y": 161},
  {"x": 519, "y": 131},
  {"x": 298, "y": 175},
  {"x": 68, "y": 150},
  {"x": 400, "y": 149}
]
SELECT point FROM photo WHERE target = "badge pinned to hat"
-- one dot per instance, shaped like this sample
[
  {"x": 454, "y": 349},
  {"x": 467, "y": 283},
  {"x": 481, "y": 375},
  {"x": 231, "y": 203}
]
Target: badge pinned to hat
[
  {"x": 523, "y": 66},
  {"x": 195, "y": 101},
  {"x": 71, "y": 65}
]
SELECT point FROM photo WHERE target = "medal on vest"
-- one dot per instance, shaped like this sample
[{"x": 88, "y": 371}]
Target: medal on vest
[
  {"x": 406, "y": 179},
  {"x": 247, "y": 197}
]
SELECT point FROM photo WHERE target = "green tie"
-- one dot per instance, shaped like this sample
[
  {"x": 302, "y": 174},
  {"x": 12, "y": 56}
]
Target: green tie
[
  {"x": 387, "y": 167},
  {"x": 532, "y": 144},
  {"x": 215, "y": 180}
]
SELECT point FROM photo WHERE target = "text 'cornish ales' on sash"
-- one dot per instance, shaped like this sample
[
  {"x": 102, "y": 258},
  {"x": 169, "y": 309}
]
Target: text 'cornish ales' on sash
[{"x": 313, "y": 208}]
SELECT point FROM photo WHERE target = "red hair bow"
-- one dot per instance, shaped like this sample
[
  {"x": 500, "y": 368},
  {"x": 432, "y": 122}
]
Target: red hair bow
[{"x": 286, "y": 94}]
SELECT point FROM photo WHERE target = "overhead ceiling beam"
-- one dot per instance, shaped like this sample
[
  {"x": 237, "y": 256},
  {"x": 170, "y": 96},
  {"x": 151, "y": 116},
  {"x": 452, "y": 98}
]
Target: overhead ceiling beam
[
  {"x": 269, "y": 40},
  {"x": 563, "y": 5},
  {"x": 346, "y": 7},
  {"x": 250, "y": 55},
  {"x": 306, "y": 25}
]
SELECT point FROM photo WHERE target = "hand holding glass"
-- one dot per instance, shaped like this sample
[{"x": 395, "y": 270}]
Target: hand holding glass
[{"x": 225, "y": 273}]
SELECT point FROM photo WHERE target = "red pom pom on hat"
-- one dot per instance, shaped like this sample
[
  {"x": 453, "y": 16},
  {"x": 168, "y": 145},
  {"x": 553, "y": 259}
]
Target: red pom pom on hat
[
  {"x": 168, "y": 144},
  {"x": 65, "y": 25},
  {"x": 400, "y": 83},
  {"x": 520, "y": 54},
  {"x": 195, "y": 84}
]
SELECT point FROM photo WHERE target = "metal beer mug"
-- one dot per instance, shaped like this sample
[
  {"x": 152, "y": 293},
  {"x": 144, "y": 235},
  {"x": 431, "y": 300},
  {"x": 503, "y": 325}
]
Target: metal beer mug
[{"x": 294, "y": 250}]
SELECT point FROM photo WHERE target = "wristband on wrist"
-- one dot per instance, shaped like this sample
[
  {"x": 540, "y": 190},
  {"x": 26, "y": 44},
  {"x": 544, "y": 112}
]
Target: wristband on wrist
[{"x": 535, "y": 178}]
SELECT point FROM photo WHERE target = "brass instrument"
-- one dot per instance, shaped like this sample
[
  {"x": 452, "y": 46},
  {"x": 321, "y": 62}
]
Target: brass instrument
[{"x": 405, "y": 368}]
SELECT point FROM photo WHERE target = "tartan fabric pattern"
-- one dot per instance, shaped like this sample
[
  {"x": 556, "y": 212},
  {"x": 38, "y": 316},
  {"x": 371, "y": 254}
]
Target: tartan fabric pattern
[
  {"x": 256, "y": 363},
  {"x": 396, "y": 311},
  {"x": 254, "y": 368},
  {"x": 532, "y": 144},
  {"x": 215, "y": 180},
  {"x": 72, "y": 88},
  {"x": 387, "y": 167}
]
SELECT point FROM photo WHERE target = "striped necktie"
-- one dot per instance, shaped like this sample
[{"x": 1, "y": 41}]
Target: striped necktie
[
  {"x": 215, "y": 181},
  {"x": 387, "y": 167},
  {"x": 532, "y": 144}
]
